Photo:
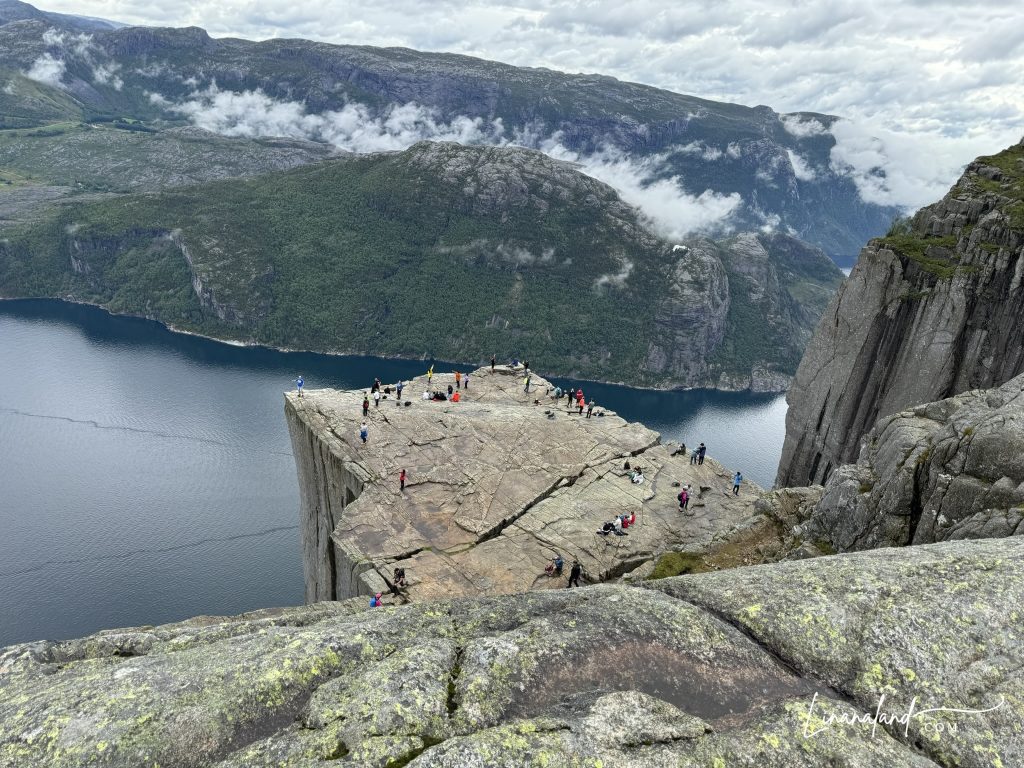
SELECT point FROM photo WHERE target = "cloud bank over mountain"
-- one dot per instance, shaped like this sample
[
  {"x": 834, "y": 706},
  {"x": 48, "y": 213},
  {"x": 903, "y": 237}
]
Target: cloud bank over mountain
[{"x": 941, "y": 79}]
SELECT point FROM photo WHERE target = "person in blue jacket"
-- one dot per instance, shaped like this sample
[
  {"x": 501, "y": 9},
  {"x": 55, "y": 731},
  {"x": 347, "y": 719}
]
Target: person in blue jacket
[
  {"x": 298, "y": 383},
  {"x": 736, "y": 483}
]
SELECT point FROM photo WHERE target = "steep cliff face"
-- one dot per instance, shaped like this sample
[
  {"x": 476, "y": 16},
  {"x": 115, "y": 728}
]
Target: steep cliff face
[
  {"x": 777, "y": 666},
  {"x": 953, "y": 469},
  {"x": 929, "y": 311}
]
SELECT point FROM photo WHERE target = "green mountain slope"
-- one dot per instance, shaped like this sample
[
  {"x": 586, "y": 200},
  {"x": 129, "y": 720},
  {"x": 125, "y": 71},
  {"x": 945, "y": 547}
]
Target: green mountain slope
[
  {"x": 442, "y": 250},
  {"x": 153, "y": 74}
]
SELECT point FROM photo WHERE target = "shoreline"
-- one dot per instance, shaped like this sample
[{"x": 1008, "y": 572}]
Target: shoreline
[{"x": 289, "y": 350}]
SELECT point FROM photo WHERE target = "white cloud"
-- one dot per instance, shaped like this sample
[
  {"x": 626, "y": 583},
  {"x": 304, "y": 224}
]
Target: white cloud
[
  {"x": 802, "y": 128},
  {"x": 47, "y": 70},
  {"x": 700, "y": 149},
  {"x": 801, "y": 168},
  {"x": 354, "y": 127},
  {"x": 51, "y": 66},
  {"x": 617, "y": 280},
  {"x": 106, "y": 74},
  {"x": 892, "y": 168},
  {"x": 671, "y": 212}
]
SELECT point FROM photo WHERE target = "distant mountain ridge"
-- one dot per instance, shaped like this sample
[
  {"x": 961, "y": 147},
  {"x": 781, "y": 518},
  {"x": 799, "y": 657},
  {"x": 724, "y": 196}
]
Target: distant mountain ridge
[
  {"x": 765, "y": 169},
  {"x": 15, "y": 10}
]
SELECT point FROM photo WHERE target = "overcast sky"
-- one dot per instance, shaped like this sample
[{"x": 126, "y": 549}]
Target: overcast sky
[{"x": 951, "y": 74}]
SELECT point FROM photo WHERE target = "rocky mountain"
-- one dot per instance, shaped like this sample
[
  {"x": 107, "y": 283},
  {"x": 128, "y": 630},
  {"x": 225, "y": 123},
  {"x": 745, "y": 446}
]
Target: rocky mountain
[
  {"x": 443, "y": 250},
  {"x": 931, "y": 310},
  {"x": 779, "y": 166},
  {"x": 15, "y": 10},
  {"x": 769, "y": 666}
]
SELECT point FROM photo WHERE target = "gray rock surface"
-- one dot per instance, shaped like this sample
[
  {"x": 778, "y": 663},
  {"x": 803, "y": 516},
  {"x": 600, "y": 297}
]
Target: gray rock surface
[
  {"x": 952, "y": 469},
  {"x": 929, "y": 313},
  {"x": 767, "y": 666},
  {"x": 498, "y": 484}
]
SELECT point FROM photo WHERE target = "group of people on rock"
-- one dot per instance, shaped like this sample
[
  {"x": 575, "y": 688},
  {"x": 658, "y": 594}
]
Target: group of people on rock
[
  {"x": 618, "y": 526},
  {"x": 555, "y": 567}
]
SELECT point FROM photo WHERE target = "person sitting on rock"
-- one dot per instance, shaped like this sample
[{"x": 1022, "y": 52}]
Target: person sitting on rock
[
  {"x": 607, "y": 528},
  {"x": 617, "y": 527},
  {"x": 376, "y": 601},
  {"x": 554, "y": 568}
]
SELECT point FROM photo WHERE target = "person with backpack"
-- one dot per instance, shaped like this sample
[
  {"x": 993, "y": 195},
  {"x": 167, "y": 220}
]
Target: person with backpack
[
  {"x": 366, "y": 404},
  {"x": 684, "y": 499},
  {"x": 298, "y": 383}
]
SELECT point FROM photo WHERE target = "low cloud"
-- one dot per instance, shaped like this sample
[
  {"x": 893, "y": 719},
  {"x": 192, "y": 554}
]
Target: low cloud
[
  {"x": 51, "y": 67},
  {"x": 616, "y": 280},
  {"x": 700, "y": 149},
  {"x": 671, "y": 212},
  {"x": 512, "y": 255},
  {"x": 354, "y": 128},
  {"x": 802, "y": 128},
  {"x": 801, "y": 168},
  {"x": 47, "y": 69},
  {"x": 891, "y": 168}
]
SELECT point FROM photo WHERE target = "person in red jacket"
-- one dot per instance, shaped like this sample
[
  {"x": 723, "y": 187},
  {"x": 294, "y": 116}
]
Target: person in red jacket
[{"x": 401, "y": 480}]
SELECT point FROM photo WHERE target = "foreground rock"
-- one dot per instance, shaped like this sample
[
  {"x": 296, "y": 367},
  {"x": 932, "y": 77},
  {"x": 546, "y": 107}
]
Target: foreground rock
[
  {"x": 928, "y": 312},
  {"x": 608, "y": 675},
  {"x": 498, "y": 484}
]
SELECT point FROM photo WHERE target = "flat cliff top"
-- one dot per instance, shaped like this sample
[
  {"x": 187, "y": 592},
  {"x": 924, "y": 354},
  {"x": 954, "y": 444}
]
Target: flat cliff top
[
  {"x": 498, "y": 483},
  {"x": 710, "y": 670}
]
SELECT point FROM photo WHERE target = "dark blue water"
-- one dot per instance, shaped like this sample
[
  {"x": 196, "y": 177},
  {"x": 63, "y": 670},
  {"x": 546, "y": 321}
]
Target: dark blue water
[{"x": 146, "y": 476}]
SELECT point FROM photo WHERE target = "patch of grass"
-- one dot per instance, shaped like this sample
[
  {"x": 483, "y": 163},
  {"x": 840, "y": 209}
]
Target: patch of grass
[
  {"x": 824, "y": 546},
  {"x": 919, "y": 249},
  {"x": 677, "y": 563}
]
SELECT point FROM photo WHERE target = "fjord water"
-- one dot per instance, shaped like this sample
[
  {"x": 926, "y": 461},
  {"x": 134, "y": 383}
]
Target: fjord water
[{"x": 146, "y": 476}]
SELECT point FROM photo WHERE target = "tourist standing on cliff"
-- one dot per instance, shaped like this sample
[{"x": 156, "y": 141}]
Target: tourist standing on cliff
[
  {"x": 574, "y": 574},
  {"x": 364, "y": 432},
  {"x": 527, "y": 381},
  {"x": 401, "y": 480},
  {"x": 298, "y": 383},
  {"x": 494, "y": 361},
  {"x": 430, "y": 375},
  {"x": 465, "y": 381},
  {"x": 736, "y": 483},
  {"x": 376, "y": 398},
  {"x": 398, "y": 388},
  {"x": 590, "y": 408},
  {"x": 701, "y": 450},
  {"x": 366, "y": 404},
  {"x": 694, "y": 454}
]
